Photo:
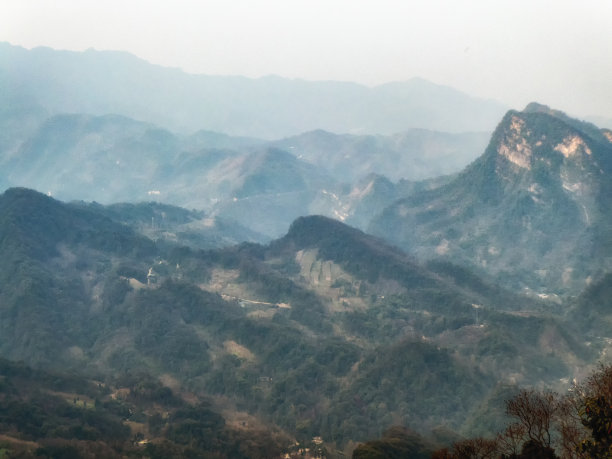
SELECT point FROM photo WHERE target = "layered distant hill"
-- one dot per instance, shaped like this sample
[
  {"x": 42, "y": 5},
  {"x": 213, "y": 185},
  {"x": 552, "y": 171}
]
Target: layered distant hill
[
  {"x": 262, "y": 185},
  {"x": 253, "y": 313},
  {"x": 99, "y": 83},
  {"x": 413, "y": 154},
  {"x": 533, "y": 211},
  {"x": 530, "y": 212}
]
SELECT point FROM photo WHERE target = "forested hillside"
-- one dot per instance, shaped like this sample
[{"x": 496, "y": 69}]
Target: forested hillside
[
  {"x": 327, "y": 332},
  {"x": 531, "y": 212}
]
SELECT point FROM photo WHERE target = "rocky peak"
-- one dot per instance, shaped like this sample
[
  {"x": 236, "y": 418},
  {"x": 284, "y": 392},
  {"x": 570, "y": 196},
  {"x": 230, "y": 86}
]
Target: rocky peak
[
  {"x": 542, "y": 143},
  {"x": 515, "y": 145},
  {"x": 537, "y": 131},
  {"x": 537, "y": 198},
  {"x": 536, "y": 107}
]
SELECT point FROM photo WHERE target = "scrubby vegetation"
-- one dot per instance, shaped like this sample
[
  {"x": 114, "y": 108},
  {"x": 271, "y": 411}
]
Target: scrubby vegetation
[
  {"x": 326, "y": 333},
  {"x": 51, "y": 415},
  {"x": 542, "y": 424}
]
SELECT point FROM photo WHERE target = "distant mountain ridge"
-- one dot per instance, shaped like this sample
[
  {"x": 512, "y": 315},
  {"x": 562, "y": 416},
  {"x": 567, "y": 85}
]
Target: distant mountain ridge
[
  {"x": 103, "y": 82},
  {"x": 533, "y": 210},
  {"x": 414, "y": 154},
  {"x": 262, "y": 185}
]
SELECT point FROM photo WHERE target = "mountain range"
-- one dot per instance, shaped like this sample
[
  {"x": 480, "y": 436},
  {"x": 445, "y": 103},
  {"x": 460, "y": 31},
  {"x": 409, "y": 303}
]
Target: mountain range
[
  {"x": 532, "y": 211},
  {"x": 265, "y": 262},
  {"x": 116, "y": 159},
  {"x": 103, "y": 82},
  {"x": 325, "y": 331}
]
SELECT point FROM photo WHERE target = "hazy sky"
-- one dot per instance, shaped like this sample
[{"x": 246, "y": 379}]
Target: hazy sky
[{"x": 556, "y": 52}]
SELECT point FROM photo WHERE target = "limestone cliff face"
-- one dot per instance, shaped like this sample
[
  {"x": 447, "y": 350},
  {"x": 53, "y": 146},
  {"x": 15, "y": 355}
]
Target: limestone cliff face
[
  {"x": 552, "y": 159},
  {"x": 532, "y": 210}
]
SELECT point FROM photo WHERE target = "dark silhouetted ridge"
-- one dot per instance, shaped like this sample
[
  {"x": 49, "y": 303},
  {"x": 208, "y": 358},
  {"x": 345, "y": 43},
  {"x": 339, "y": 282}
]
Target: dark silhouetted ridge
[{"x": 35, "y": 223}]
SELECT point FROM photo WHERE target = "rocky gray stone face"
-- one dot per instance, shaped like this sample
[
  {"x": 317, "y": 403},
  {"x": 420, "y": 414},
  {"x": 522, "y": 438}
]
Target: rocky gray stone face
[{"x": 531, "y": 211}]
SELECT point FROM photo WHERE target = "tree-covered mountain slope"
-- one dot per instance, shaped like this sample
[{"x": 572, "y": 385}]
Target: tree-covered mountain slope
[
  {"x": 165, "y": 223},
  {"x": 532, "y": 212},
  {"x": 325, "y": 332},
  {"x": 55, "y": 414}
]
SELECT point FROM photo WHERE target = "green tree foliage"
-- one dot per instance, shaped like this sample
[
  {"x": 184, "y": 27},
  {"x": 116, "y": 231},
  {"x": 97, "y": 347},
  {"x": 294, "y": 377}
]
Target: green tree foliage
[
  {"x": 396, "y": 443},
  {"x": 360, "y": 254},
  {"x": 597, "y": 418},
  {"x": 30, "y": 409},
  {"x": 40, "y": 423},
  {"x": 593, "y": 400}
]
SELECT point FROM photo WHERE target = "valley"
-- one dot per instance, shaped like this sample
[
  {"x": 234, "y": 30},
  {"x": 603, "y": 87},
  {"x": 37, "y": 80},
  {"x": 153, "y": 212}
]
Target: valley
[{"x": 323, "y": 318}]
